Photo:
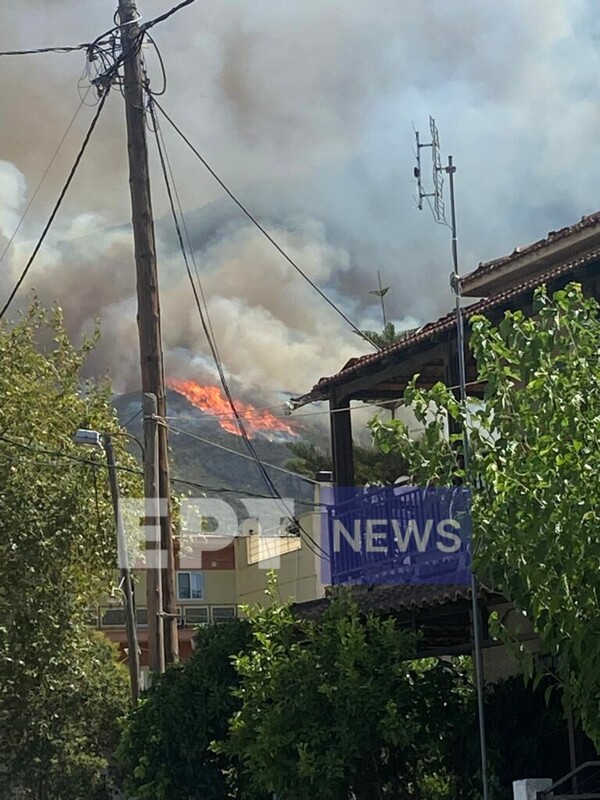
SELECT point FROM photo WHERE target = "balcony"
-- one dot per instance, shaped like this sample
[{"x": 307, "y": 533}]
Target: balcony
[{"x": 397, "y": 535}]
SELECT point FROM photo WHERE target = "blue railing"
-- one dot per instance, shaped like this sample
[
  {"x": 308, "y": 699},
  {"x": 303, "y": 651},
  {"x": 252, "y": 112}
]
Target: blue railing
[{"x": 398, "y": 535}]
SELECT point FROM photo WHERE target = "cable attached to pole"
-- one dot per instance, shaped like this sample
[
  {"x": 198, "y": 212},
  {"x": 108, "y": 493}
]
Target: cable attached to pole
[
  {"x": 37, "y": 50},
  {"x": 43, "y": 178},
  {"x": 261, "y": 228},
  {"x": 57, "y": 205},
  {"x": 152, "y": 22},
  {"x": 311, "y": 543}
]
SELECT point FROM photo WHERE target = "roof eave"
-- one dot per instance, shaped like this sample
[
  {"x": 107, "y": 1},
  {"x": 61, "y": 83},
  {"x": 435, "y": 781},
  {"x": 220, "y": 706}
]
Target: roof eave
[{"x": 487, "y": 280}]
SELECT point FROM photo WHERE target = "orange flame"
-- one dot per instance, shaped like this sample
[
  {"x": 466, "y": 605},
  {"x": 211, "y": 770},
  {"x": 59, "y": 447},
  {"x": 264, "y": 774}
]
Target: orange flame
[{"x": 211, "y": 400}]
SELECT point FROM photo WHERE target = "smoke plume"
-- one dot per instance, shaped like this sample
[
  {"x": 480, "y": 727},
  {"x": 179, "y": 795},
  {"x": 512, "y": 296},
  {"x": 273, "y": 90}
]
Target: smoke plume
[{"x": 306, "y": 110}]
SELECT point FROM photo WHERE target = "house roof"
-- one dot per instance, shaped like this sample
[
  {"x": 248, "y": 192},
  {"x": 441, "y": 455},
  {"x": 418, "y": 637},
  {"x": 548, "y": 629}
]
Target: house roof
[
  {"x": 386, "y": 599},
  {"x": 560, "y": 245},
  {"x": 429, "y": 333}
]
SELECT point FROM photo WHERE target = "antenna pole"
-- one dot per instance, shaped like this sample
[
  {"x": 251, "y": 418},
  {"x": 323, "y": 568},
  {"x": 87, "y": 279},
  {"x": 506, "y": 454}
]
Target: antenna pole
[
  {"x": 151, "y": 353},
  {"x": 462, "y": 379},
  {"x": 382, "y": 301}
]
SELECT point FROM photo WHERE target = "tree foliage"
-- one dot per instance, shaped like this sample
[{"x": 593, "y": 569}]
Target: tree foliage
[
  {"x": 535, "y": 464},
  {"x": 335, "y": 709},
  {"x": 330, "y": 709},
  {"x": 370, "y": 467},
  {"x": 165, "y": 751},
  {"x": 389, "y": 335},
  {"x": 60, "y": 688}
]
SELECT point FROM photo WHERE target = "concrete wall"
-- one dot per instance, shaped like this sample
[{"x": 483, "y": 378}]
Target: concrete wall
[
  {"x": 298, "y": 571},
  {"x": 499, "y": 662}
]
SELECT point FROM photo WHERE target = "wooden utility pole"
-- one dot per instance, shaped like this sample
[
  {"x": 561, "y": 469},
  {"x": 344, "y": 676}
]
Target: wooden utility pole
[
  {"x": 154, "y": 593},
  {"x": 133, "y": 656},
  {"x": 151, "y": 356}
]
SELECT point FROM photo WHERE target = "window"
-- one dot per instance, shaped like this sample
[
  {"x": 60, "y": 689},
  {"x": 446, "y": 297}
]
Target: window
[
  {"x": 223, "y": 613},
  {"x": 141, "y": 615},
  {"x": 196, "y": 615},
  {"x": 190, "y": 585},
  {"x": 113, "y": 617}
]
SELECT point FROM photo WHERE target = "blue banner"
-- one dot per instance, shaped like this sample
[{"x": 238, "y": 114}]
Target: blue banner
[{"x": 397, "y": 535}]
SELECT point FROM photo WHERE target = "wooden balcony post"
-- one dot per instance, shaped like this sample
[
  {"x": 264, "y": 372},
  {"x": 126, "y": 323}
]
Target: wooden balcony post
[{"x": 341, "y": 441}]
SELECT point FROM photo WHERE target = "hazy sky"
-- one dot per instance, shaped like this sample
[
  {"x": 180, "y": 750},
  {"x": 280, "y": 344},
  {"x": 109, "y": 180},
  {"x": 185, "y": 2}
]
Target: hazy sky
[{"x": 306, "y": 108}]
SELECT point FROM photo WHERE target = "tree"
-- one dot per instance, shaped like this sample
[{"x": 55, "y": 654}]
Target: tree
[
  {"x": 335, "y": 709},
  {"x": 165, "y": 751},
  {"x": 535, "y": 458},
  {"x": 389, "y": 335},
  {"x": 370, "y": 466},
  {"x": 61, "y": 688}
]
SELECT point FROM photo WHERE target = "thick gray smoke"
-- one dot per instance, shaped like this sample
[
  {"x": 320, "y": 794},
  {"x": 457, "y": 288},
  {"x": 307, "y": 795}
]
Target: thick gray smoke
[{"x": 306, "y": 109}]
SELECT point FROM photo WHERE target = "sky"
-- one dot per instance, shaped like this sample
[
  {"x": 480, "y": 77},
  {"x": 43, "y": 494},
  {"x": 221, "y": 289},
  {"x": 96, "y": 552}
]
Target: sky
[{"x": 306, "y": 110}]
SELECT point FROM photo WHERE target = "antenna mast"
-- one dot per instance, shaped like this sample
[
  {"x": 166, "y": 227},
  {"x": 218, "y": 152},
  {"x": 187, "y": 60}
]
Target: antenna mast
[{"x": 438, "y": 211}]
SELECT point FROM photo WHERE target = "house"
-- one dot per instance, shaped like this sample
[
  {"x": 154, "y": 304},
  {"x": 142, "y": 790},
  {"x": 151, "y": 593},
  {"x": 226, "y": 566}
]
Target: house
[
  {"x": 238, "y": 574},
  {"x": 504, "y": 284},
  {"x": 203, "y": 595},
  {"x": 507, "y": 283}
]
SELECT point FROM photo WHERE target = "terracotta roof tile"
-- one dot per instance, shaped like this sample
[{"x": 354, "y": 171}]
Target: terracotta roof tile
[
  {"x": 445, "y": 323},
  {"x": 486, "y": 267},
  {"x": 384, "y": 598}
]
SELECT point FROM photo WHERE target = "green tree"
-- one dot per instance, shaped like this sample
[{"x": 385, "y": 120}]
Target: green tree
[
  {"x": 389, "y": 335},
  {"x": 61, "y": 688},
  {"x": 165, "y": 750},
  {"x": 370, "y": 466},
  {"x": 536, "y": 463},
  {"x": 336, "y": 710}
]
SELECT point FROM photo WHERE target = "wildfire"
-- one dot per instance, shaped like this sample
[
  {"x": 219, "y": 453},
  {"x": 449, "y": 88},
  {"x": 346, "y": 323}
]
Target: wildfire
[{"x": 211, "y": 400}]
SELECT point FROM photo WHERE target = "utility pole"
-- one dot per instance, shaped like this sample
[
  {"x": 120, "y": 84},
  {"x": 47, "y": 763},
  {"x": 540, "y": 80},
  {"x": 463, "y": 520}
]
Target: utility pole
[
  {"x": 151, "y": 356},
  {"x": 439, "y": 214},
  {"x": 462, "y": 379},
  {"x": 133, "y": 657},
  {"x": 154, "y": 593},
  {"x": 381, "y": 293}
]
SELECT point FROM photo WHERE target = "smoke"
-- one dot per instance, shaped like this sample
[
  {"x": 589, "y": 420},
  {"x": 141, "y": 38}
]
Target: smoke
[{"x": 306, "y": 110}]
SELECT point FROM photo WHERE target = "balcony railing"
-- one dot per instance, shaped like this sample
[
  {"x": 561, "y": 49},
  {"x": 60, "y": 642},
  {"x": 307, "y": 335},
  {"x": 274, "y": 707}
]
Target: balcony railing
[
  {"x": 398, "y": 535},
  {"x": 188, "y": 616}
]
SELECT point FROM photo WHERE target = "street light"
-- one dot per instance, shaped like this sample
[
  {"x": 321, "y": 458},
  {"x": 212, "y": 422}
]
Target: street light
[{"x": 84, "y": 436}]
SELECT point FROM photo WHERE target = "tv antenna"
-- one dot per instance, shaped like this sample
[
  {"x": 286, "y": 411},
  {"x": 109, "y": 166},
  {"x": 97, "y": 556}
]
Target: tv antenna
[{"x": 438, "y": 209}]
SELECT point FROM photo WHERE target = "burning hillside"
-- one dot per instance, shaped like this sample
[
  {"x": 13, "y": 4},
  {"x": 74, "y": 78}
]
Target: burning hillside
[{"x": 211, "y": 400}]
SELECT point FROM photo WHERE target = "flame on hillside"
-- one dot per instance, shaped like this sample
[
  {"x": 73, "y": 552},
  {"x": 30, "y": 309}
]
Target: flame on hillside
[{"x": 211, "y": 400}]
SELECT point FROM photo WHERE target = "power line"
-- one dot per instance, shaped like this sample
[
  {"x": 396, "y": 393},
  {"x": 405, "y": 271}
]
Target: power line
[
  {"x": 210, "y": 339},
  {"x": 152, "y": 22},
  {"x": 68, "y": 49},
  {"x": 41, "y": 451},
  {"x": 58, "y": 204},
  {"x": 134, "y": 416},
  {"x": 241, "y": 455},
  {"x": 44, "y": 175},
  {"x": 209, "y": 416},
  {"x": 261, "y": 228}
]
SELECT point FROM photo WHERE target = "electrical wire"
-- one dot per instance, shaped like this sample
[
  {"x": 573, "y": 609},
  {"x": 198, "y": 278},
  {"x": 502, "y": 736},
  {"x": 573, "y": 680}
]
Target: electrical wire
[
  {"x": 211, "y": 342},
  {"x": 122, "y": 468},
  {"x": 299, "y": 417},
  {"x": 209, "y": 416},
  {"x": 44, "y": 176},
  {"x": 68, "y": 49},
  {"x": 205, "y": 319},
  {"x": 152, "y": 22},
  {"x": 57, "y": 205},
  {"x": 130, "y": 420},
  {"x": 262, "y": 229},
  {"x": 241, "y": 455},
  {"x": 187, "y": 237}
]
